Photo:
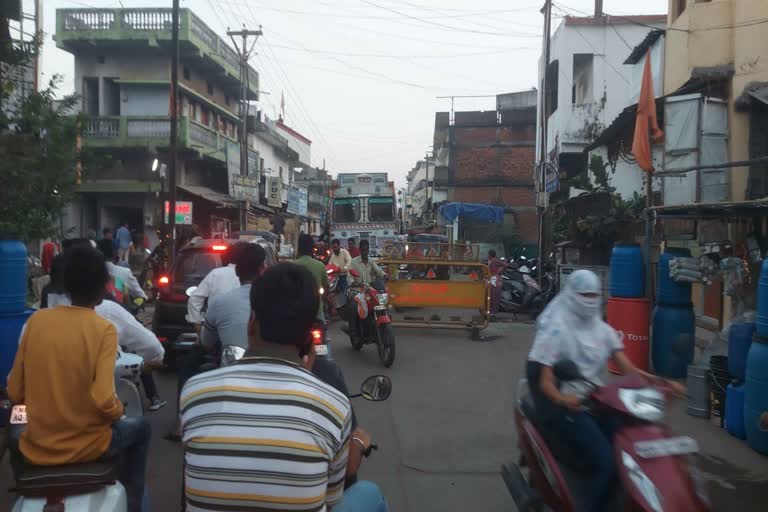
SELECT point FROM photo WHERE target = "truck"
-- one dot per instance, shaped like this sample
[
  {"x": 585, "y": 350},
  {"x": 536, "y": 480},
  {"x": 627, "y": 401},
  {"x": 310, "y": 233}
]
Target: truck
[{"x": 364, "y": 208}]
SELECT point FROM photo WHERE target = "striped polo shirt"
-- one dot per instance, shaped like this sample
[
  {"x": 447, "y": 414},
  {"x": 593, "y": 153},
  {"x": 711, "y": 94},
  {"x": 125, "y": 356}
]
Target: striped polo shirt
[{"x": 263, "y": 435}]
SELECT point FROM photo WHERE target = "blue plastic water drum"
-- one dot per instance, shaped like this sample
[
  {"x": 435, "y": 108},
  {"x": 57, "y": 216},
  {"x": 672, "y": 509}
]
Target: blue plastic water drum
[
  {"x": 627, "y": 272},
  {"x": 756, "y": 396},
  {"x": 668, "y": 292},
  {"x": 739, "y": 341},
  {"x": 762, "y": 301},
  {"x": 10, "y": 329},
  {"x": 13, "y": 276},
  {"x": 734, "y": 411},
  {"x": 672, "y": 340}
]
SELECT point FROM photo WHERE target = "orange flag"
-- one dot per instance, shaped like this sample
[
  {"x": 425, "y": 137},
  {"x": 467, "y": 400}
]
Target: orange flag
[{"x": 646, "y": 118}]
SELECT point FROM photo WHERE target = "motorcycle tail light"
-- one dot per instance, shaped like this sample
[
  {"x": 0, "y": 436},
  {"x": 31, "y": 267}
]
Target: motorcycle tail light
[
  {"x": 164, "y": 280},
  {"x": 317, "y": 336}
]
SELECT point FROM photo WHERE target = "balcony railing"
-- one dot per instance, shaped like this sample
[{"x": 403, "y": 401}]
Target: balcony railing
[
  {"x": 137, "y": 131},
  {"x": 133, "y": 23},
  {"x": 199, "y": 134}
]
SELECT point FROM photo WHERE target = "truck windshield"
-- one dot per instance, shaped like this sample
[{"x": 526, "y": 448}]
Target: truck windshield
[
  {"x": 380, "y": 209},
  {"x": 346, "y": 210}
]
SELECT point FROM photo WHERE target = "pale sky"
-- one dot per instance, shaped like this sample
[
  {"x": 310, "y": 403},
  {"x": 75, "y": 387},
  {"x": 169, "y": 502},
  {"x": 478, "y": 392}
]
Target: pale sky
[{"x": 361, "y": 77}]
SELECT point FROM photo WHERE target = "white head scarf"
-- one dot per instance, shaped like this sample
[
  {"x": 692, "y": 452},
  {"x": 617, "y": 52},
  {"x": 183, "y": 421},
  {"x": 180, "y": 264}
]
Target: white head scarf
[{"x": 572, "y": 325}]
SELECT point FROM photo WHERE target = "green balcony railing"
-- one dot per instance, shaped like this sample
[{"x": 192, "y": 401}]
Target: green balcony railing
[
  {"x": 154, "y": 131},
  {"x": 153, "y": 24}
]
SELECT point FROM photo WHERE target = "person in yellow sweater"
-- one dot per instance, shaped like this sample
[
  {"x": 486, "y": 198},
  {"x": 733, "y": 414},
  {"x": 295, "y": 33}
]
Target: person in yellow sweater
[{"x": 64, "y": 374}]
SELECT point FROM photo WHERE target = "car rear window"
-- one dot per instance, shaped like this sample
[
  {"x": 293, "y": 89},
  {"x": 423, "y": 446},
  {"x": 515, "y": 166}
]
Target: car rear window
[{"x": 193, "y": 266}]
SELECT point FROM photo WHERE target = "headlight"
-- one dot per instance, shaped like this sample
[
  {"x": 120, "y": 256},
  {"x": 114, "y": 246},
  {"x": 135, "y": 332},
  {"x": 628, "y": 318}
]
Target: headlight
[
  {"x": 646, "y": 403},
  {"x": 383, "y": 299},
  {"x": 643, "y": 484}
]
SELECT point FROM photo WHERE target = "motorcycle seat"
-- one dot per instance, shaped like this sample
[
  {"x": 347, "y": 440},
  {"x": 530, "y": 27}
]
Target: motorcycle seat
[{"x": 64, "y": 480}]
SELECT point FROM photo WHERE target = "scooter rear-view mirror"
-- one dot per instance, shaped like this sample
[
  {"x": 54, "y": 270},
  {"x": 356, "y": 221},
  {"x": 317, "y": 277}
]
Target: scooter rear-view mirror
[
  {"x": 376, "y": 388},
  {"x": 190, "y": 291}
]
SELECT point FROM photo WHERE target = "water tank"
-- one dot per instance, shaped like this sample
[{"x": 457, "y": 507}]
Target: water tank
[
  {"x": 13, "y": 276},
  {"x": 627, "y": 271},
  {"x": 668, "y": 292},
  {"x": 756, "y": 396},
  {"x": 10, "y": 328},
  {"x": 734, "y": 411},
  {"x": 673, "y": 340},
  {"x": 762, "y": 301},
  {"x": 631, "y": 319},
  {"x": 739, "y": 340}
]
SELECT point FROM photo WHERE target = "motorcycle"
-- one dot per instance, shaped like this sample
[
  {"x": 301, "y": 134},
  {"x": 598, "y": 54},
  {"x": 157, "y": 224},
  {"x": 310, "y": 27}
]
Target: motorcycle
[
  {"x": 654, "y": 467},
  {"x": 85, "y": 487},
  {"x": 334, "y": 299},
  {"x": 521, "y": 292},
  {"x": 370, "y": 321},
  {"x": 151, "y": 271}
]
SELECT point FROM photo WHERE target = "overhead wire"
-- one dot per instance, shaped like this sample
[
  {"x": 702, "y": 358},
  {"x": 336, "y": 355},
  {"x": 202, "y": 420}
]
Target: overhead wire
[{"x": 450, "y": 27}]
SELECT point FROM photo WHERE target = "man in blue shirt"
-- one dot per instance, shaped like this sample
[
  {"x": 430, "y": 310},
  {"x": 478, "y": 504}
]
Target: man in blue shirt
[{"x": 123, "y": 243}]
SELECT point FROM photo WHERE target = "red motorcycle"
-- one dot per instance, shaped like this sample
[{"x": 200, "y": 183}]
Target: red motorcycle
[
  {"x": 654, "y": 467},
  {"x": 369, "y": 320}
]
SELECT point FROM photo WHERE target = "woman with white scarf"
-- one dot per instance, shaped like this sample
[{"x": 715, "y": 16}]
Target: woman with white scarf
[{"x": 572, "y": 328}]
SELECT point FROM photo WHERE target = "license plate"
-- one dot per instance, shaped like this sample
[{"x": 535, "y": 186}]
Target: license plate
[
  {"x": 322, "y": 350},
  {"x": 665, "y": 447},
  {"x": 19, "y": 415}
]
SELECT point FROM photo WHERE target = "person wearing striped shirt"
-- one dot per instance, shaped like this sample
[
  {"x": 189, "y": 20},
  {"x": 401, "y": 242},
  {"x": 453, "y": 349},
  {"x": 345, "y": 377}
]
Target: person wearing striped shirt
[{"x": 266, "y": 434}]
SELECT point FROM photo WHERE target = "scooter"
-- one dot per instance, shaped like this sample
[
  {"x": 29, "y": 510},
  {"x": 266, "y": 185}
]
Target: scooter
[
  {"x": 654, "y": 467},
  {"x": 370, "y": 322},
  {"x": 87, "y": 487}
]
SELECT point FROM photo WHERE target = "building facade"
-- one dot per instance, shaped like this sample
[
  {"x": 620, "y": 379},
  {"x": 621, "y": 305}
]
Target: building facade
[
  {"x": 588, "y": 86},
  {"x": 122, "y": 74},
  {"x": 487, "y": 157}
]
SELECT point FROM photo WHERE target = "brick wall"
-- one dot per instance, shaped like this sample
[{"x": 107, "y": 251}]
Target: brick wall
[{"x": 510, "y": 165}]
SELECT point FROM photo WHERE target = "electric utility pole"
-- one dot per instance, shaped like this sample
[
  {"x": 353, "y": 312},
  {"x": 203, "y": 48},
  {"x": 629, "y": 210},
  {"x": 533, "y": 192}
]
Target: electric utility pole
[
  {"x": 171, "y": 241},
  {"x": 244, "y": 53},
  {"x": 541, "y": 201}
]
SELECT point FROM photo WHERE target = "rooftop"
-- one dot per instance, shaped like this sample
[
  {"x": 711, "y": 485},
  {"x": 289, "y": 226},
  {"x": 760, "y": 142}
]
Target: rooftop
[
  {"x": 634, "y": 19},
  {"x": 149, "y": 30}
]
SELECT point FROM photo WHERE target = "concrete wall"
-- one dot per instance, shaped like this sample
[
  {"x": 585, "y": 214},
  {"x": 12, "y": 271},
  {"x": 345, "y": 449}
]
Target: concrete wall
[
  {"x": 298, "y": 144},
  {"x": 272, "y": 161},
  {"x": 695, "y": 43},
  {"x": 571, "y": 126},
  {"x": 144, "y": 100}
]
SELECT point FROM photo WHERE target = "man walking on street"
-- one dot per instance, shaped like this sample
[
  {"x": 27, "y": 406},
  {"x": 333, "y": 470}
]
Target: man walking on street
[{"x": 123, "y": 243}]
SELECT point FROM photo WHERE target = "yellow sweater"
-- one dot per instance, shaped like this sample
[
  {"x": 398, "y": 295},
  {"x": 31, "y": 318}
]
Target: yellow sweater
[{"x": 64, "y": 373}]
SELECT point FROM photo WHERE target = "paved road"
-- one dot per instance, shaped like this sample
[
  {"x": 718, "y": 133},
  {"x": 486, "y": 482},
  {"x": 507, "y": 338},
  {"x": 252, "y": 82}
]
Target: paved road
[{"x": 448, "y": 428}]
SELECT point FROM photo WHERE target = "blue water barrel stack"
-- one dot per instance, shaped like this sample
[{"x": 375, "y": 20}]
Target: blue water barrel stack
[
  {"x": 13, "y": 300},
  {"x": 627, "y": 280},
  {"x": 756, "y": 373},
  {"x": 674, "y": 323}
]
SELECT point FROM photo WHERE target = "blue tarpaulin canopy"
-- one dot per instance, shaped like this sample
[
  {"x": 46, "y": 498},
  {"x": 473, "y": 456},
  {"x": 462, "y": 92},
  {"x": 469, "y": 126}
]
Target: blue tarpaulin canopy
[{"x": 477, "y": 211}]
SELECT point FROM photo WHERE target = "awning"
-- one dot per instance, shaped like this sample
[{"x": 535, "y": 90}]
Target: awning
[
  {"x": 754, "y": 91},
  {"x": 484, "y": 212},
  {"x": 211, "y": 195}
]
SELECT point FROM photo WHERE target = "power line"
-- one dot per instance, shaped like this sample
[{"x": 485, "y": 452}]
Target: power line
[
  {"x": 391, "y": 56},
  {"x": 450, "y": 27}
]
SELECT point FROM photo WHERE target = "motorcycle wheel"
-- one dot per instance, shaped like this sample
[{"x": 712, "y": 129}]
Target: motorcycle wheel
[
  {"x": 386, "y": 345},
  {"x": 356, "y": 340}
]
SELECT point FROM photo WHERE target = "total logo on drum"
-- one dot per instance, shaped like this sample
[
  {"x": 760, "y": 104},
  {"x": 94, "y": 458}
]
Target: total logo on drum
[{"x": 631, "y": 337}]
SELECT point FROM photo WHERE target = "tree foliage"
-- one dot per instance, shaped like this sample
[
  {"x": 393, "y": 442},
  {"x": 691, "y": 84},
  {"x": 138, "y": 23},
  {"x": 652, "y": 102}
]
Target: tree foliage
[{"x": 39, "y": 155}]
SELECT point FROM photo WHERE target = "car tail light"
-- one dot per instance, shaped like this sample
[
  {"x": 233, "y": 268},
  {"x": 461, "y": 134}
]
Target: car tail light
[
  {"x": 219, "y": 248},
  {"x": 162, "y": 339},
  {"x": 317, "y": 336},
  {"x": 164, "y": 280}
]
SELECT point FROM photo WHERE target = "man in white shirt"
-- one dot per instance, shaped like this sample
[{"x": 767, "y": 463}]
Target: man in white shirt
[
  {"x": 341, "y": 258},
  {"x": 125, "y": 280},
  {"x": 219, "y": 280}
]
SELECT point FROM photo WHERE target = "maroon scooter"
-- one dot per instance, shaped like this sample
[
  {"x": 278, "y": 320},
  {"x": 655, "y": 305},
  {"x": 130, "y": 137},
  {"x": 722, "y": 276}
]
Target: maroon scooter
[{"x": 655, "y": 469}]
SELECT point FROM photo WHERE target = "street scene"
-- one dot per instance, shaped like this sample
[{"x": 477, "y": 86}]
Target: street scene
[{"x": 433, "y": 256}]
